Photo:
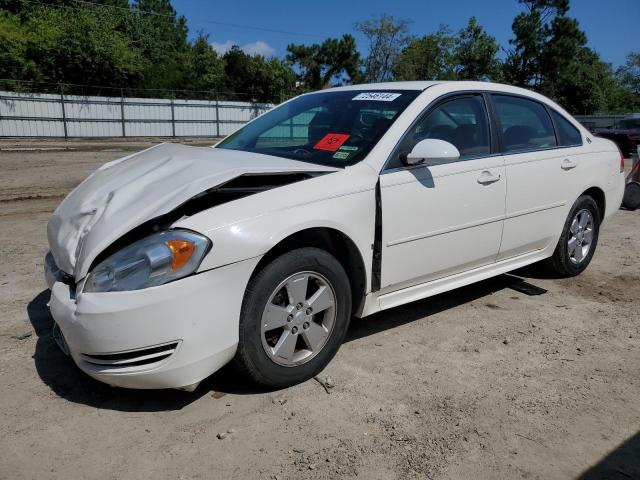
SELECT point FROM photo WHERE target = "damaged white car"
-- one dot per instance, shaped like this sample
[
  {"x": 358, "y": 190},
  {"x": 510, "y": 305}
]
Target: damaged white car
[{"x": 167, "y": 264}]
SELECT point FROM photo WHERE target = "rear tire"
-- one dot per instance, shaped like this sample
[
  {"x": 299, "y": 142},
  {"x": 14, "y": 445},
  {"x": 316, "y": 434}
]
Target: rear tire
[
  {"x": 578, "y": 240},
  {"x": 631, "y": 199},
  {"x": 295, "y": 315}
]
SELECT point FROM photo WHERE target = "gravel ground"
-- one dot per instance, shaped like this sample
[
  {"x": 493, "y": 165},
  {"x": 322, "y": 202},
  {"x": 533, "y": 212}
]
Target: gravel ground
[{"x": 481, "y": 382}]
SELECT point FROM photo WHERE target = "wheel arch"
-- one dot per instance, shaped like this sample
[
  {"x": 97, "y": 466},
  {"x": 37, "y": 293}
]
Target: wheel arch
[
  {"x": 599, "y": 197},
  {"x": 336, "y": 243}
]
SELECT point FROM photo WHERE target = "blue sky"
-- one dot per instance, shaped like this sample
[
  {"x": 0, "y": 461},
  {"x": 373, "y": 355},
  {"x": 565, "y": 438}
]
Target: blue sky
[{"x": 612, "y": 26}]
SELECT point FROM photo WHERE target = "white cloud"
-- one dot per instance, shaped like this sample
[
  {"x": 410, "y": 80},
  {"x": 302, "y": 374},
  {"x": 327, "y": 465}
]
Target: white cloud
[
  {"x": 259, "y": 48},
  {"x": 223, "y": 48},
  {"x": 255, "y": 48}
]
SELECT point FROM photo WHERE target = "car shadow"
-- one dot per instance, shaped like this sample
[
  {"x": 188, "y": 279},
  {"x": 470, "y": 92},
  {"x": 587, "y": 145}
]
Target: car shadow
[
  {"x": 622, "y": 463},
  {"x": 398, "y": 316},
  {"x": 59, "y": 372}
]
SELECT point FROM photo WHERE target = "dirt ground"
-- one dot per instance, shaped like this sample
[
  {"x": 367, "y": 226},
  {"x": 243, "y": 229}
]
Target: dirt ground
[{"x": 481, "y": 382}]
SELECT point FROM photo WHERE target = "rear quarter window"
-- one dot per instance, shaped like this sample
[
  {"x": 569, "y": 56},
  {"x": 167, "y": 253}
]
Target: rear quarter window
[{"x": 568, "y": 135}]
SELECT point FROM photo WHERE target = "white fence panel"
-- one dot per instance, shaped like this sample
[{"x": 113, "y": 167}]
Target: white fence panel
[{"x": 56, "y": 115}]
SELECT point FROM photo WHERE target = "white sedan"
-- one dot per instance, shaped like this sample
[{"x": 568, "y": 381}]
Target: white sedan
[{"x": 167, "y": 264}]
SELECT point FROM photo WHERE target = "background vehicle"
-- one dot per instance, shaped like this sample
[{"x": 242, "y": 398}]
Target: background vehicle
[
  {"x": 631, "y": 199},
  {"x": 625, "y": 133},
  {"x": 347, "y": 201}
]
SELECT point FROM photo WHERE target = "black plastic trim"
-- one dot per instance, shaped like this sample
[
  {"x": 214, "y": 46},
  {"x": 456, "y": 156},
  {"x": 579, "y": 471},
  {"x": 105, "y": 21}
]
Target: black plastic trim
[{"x": 376, "y": 267}]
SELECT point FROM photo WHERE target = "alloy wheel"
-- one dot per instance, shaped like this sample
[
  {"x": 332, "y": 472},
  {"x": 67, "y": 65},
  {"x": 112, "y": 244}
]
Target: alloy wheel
[
  {"x": 298, "y": 319},
  {"x": 581, "y": 236}
]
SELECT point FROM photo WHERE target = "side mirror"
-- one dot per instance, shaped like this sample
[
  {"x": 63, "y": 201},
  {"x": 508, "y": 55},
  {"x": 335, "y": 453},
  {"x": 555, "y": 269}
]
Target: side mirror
[{"x": 432, "y": 150}]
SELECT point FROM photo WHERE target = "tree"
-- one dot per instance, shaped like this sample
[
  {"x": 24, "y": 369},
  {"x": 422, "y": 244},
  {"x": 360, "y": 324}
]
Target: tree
[
  {"x": 564, "y": 42},
  {"x": 626, "y": 97},
  {"x": 428, "y": 58},
  {"x": 546, "y": 41},
  {"x": 550, "y": 55},
  {"x": 73, "y": 45},
  {"x": 475, "y": 54},
  {"x": 14, "y": 42},
  {"x": 321, "y": 64},
  {"x": 161, "y": 35},
  {"x": 587, "y": 87},
  {"x": 629, "y": 73},
  {"x": 204, "y": 69},
  {"x": 387, "y": 37},
  {"x": 522, "y": 63},
  {"x": 254, "y": 78}
]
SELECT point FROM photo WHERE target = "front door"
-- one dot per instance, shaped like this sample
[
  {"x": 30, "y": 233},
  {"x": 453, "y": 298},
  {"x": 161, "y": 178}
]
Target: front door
[{"x": 439, "y": 220}]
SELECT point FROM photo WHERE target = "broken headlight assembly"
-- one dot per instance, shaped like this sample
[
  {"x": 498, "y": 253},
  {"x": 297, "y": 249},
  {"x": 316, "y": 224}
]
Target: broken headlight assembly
[{"x": 157, "y": 259}]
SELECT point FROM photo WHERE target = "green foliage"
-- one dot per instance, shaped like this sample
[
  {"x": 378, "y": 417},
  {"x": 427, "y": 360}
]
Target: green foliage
[
  {"x": 550, "y": 55},
  {"x": 14, "y": 40},
  {"x": 629, "y": 73},
  {"x": 387, "y": 37},
  {"x": 428, "y": 58},
  {"x": 256, "y": 78},
  {"x": 204, "y": 69},
  {"x": 77, "y": 46},
  {"x": 142, "y": 48},
  {"x": 475, "y": 54},
  {"x": 67, "y": 45},
  {"x": 162, "y": 40},
  {"x": 138, "y": 49},
  {"x": 322, "y": 64}
]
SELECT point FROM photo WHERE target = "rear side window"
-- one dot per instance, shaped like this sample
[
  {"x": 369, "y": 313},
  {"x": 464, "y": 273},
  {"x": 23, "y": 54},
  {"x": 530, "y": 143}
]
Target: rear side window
[
  {"x": 525, "y": 124},
  {"x": 568, "y": 135}
]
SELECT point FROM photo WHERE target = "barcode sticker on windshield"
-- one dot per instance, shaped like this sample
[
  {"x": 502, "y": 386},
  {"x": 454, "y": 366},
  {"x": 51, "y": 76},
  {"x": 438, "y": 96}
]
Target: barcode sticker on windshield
[{"x": 377, "y": 96}]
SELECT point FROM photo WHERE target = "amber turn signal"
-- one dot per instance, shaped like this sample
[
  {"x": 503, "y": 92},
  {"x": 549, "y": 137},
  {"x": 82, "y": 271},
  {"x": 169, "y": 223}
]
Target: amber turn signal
[{"x": 182, "y": 250}]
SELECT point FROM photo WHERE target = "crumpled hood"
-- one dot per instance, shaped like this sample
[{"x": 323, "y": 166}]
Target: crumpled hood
[{"x": 125, "y": 193}]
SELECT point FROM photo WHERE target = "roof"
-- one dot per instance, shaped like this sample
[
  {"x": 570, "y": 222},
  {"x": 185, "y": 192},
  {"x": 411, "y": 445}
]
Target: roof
[{"x": 417, "y": 85}]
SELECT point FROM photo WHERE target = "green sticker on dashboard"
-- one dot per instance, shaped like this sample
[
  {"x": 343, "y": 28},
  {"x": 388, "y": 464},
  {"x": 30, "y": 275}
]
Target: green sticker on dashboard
[
  {"x": 341, "y": 155},
  {"x": 348, "y": 147}
]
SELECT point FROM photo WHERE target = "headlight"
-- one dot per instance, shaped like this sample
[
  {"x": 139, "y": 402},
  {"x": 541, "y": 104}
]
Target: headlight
[{"x": 154, "y": 260}]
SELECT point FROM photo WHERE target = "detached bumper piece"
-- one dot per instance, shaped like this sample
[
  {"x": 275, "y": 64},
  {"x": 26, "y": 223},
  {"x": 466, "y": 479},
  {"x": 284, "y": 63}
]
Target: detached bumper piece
[{"x": 144, "y": 357}]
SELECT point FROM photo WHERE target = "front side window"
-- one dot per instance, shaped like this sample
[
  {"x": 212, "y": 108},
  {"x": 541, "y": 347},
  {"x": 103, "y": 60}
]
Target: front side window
[
  {"x": 525, "y": 124},
  {"x": 568, "y": 135},
  {"x": 330, "y": 128},
  {"x": 461, "y": 121}
]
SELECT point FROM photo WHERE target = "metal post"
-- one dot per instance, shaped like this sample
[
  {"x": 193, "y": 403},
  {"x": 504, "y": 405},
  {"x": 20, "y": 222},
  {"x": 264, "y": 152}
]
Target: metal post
[
  {"x": 124, "y": 131},
  {"x": 217, "y": 117},
  {"x": 64, "y": 113},
  {"x": 173, "y": 118}
]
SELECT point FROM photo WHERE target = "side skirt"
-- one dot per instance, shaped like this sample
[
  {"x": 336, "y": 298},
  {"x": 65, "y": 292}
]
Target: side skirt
[{"x": 375, "y": 302}]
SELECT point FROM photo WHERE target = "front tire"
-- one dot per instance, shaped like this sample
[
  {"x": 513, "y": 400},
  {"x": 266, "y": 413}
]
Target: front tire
[
  {"x": 578, "y": 240},
  {"x": 295, "y": 315}
]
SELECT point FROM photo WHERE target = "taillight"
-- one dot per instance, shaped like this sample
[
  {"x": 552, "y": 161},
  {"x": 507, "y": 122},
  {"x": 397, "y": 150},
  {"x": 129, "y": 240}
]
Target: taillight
[{"x": 621, "y": 161}]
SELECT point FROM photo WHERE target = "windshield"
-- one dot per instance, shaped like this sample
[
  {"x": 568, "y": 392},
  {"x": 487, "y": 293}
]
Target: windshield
[{"x": 330, "y": 128}]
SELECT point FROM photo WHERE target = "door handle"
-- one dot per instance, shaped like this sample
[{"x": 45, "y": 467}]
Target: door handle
[
  {"x": 568, "y": 164},
  {"x": 487, "y": 177}
]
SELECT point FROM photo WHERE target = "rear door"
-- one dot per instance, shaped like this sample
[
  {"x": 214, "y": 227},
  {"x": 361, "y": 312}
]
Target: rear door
[
  {"x": 439, "y": 220},
  {"x": 539, "y": 175}
]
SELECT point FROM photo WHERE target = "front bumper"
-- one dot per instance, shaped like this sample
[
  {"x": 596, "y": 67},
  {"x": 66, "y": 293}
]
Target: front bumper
[{"x": 170, "y": 336}]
